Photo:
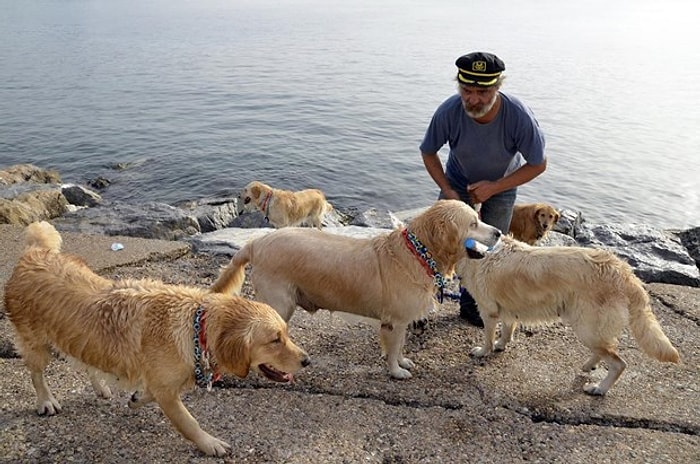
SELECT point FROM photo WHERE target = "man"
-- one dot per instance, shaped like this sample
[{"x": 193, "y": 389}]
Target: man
[{"x": 495, "y": 145}]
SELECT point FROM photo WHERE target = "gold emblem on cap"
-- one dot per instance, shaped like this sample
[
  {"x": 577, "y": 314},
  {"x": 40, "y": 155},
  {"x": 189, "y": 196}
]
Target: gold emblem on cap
[{"x": 479, "y": 66}]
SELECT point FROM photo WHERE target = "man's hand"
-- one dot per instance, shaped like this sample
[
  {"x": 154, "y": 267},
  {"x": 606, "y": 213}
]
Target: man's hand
[{"x": 481, "y": 191}]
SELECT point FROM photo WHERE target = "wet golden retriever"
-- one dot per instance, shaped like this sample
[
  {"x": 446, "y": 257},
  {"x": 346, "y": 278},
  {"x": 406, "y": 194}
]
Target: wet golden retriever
[
  {"x": 590, "y": 290},
  {"x": 141, "y": 333},
  {"x": 390, "y": 278},
  {"x": 283, "y": 208},
  {"x": 532, "y": 222}
]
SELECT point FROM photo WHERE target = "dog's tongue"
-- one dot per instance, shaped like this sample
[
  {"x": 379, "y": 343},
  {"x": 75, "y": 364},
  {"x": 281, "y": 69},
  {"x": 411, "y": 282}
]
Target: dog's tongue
[{"x": 289, "y": 377}]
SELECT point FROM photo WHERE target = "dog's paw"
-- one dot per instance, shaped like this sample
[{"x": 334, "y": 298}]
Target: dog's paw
[
  {"x": 102, "y": 390},
  {"x": 593, "y": 389},
  {"x": 406, "y": 363},
  {"x": 139, "y": 398},
  {"x": 213, "y": 446},
  {"x": 49, "y": 407},
  {"x": 479, "y": 351},
  {"x": 499, "y": 346},
  {"x": 401, "y": 374}
]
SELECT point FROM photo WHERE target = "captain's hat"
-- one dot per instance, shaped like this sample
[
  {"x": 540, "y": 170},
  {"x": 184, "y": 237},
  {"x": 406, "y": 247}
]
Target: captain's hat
[{"x": 479, "y": 68}]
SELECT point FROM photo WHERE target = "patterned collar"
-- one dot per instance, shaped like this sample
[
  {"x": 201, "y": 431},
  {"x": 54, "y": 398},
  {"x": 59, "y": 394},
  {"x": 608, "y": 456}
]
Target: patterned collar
[
  {"x": 266, "y": 203},
  {"x": 421, "y": 252},
  {"x": 205, "y": 370}
]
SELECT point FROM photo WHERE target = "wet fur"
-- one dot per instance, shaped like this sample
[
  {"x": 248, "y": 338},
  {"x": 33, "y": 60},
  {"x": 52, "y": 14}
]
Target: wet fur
[
  {"x": 284, "y": 208},
  {"x": 532, "y": 222},
  {"x": 590, "y": 290},
  {"x": 139, "y": 332},
  {"x": 377, "y": 278}
]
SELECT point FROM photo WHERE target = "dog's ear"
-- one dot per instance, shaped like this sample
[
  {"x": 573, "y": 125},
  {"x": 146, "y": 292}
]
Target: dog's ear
[
  {"x": 240, "y": 356},
  {"x": 556, "y": 216},
  {"x": 233, "y": 351},
  {"x": 255, "y": 191}
]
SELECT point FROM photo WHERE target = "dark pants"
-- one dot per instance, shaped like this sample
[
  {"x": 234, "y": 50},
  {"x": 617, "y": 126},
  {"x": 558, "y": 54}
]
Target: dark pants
[{"x": 496, "y": 211}]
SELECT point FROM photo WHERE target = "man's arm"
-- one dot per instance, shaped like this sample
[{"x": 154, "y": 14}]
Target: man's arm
[
  {"x": 434, "y": 167},
  {"x": 481, "y": 191}
]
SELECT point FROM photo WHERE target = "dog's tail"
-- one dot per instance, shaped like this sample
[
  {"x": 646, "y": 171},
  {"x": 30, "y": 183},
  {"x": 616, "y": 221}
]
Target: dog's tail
[
  {"x": 232, "y": 276},
  {"x": 646, "y": 329},
  {"x": 43, "y": 235},
  {"x": 327, "y": 208}
]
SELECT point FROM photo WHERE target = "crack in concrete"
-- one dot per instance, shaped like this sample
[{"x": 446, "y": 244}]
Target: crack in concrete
[{"x": 610, "y": 421}]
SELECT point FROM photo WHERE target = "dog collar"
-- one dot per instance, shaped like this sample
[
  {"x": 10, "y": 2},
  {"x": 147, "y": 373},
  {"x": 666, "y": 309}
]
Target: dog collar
[
  {"x": 265, "y": 203},
  {"x": 421, "y": 252},
  {"x": 205, "y": 370}
]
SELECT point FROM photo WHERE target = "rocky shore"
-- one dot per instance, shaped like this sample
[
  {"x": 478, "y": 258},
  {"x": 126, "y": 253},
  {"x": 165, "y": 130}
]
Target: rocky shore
[
  {"x": 524, "y": 405},
  {"x": 29, "y": 193}
]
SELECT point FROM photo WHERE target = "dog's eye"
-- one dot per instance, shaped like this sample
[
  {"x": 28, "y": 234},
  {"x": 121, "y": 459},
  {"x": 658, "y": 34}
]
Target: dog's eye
[{"x": 276, "y": 340}]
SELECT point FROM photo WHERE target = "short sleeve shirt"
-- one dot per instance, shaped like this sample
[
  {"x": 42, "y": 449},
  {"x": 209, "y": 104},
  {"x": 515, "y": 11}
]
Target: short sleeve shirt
[{"x": 484, "y": 151}]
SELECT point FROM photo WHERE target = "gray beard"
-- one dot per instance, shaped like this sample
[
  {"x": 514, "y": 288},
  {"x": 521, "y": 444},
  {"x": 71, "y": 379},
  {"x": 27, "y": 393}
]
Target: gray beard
[{"x": 484, "y": 111}]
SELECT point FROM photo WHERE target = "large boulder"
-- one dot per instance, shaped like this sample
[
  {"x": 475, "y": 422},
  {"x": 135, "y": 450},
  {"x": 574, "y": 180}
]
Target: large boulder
[
  {"x": 655, "y": 255},
  {"x": 28, "y": 173},
  {"x": 29, "y": 193},
  {"x": 212, "y": 213},
  {"x": 147, "y": 220},
  {"x": 691, "y": 241},
  {"x": 33, "y": 206}
]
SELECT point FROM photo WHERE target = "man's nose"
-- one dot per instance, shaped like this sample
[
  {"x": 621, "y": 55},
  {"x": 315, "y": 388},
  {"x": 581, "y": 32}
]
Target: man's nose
[{"x": 473, "y": 99}]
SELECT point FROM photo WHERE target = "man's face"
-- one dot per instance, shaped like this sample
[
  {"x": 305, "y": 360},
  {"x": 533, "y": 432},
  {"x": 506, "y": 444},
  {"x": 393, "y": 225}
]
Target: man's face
[{"x": 477, "y": 101}]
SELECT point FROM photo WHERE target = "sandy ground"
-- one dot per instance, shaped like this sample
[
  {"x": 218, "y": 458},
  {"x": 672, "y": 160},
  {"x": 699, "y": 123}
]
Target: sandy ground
[{"x": 524, "y": 405}]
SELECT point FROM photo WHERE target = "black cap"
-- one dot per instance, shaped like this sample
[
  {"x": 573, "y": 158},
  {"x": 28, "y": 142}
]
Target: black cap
[{"x": 479, "y": 68}]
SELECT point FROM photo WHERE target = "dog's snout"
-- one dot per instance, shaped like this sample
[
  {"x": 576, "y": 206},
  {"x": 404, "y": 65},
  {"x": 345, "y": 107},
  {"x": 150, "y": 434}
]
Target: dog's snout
[
  {"x": 246, "y": 200},
  {"x": 305, "y": 361},
  {"x": 497, "y": 233}
]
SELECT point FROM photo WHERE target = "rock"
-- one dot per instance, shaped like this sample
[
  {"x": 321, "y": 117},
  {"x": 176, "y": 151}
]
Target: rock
[
  {"x": 568, "y": 222},
  {"x": 147, "y": 220},
  {"x": 228, "y": 241},
  {"x": 28, "y": 173},
  {"x": 252, "y": 220},
  {"x": 99, "y": 183},
  {"x": 28, "y": 194},
  {"x": 80, "y": 196},
  {"x": 213, "y": 213},
  {"x": 33, "y": 206},
  {"x": 655, "y": 256},
  {"x": 691, "y": 241},
  {"x": 381, "y": 219},
  {"x": 555, "y": 238}
]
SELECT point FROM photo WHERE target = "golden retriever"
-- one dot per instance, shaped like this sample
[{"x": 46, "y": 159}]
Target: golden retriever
[
  {"x": 384, "y": 278},
  {"x": 591, "y": 290},
  {"x": 283, "y": 208},
  {"x": 531, "y": 222},
  {"x": 141, "y": 333}
]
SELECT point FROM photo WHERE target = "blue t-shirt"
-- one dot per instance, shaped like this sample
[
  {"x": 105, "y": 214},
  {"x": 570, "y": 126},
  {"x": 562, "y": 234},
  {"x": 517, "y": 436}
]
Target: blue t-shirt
[{"x": 484, "y": 151}]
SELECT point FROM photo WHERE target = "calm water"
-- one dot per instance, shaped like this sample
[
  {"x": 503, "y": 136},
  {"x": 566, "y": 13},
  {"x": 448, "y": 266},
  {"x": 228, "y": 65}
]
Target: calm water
[{"x": 201, "y": 97}]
